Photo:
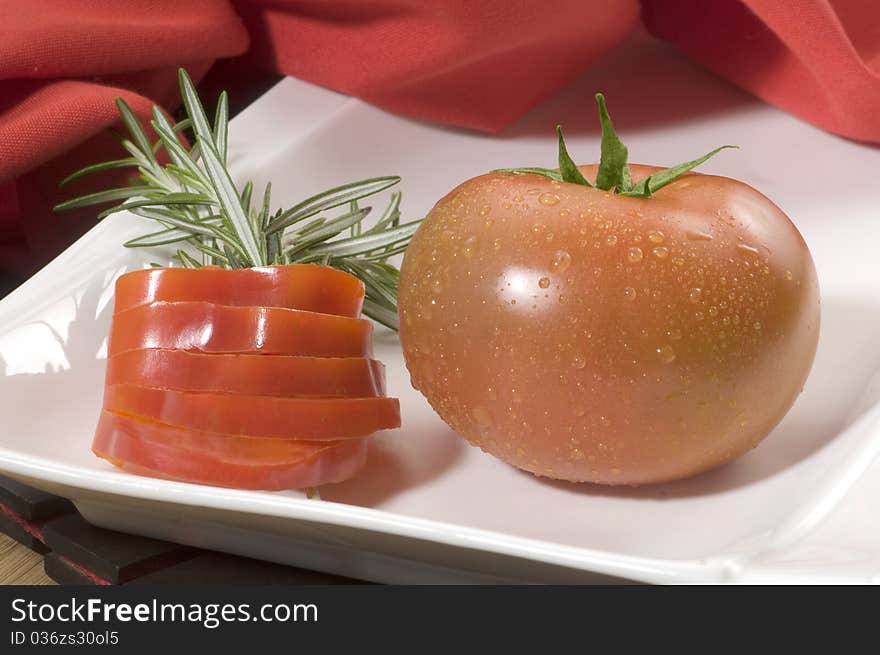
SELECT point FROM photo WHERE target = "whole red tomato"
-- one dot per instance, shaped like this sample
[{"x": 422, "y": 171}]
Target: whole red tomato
[{"x": 637, "y": 333}]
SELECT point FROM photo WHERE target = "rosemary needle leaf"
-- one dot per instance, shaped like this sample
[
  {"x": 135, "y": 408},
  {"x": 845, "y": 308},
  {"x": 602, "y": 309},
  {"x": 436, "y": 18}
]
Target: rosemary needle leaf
[
  {"x": 246, "y": 194},
  {"x": 160, "y": 238},
  {"x": 264, "y": 210},
  {"x": 195, "y": 153},
  {"x": 382, "y": 255},
  {"x": 174, "y": 220},
  {"x": 365, "y": 243},
  {"x": 391, "y": 215},
  {"x": 187, "y": 260},
  {"x": 144, "y": 160},
  {"x": 187, "y": 178},
  {"x": 178, "y": 127},
  {"x": 172, "y": 145},
  {"x": 329, "y": 230},
  {"x": 194, "y": 108},
  {"x": 372, "y": 274},
  {"x": 331, "y": 199},
  {"x": 102, "y": 197},
  {"x": 383, "y": 315},
  {"x": 170, "y": 199},
  {"x": 221, "y": 125},
  {"x": 98, "y": 168},
  {"x": 231, "y": 204},
  {"x": 133, "y": 125},
  {"x": 212, "y": 252}
]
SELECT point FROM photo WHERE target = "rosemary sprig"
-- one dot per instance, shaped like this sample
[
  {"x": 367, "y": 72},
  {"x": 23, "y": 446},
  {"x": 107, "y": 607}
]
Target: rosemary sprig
[{"x": 197, "y": 204}]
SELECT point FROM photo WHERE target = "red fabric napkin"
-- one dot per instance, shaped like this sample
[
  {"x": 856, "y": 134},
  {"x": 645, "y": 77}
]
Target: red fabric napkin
[
  {"x": 62, "y": 64},
  {"x": 474, "y": 64},
  {"x": 818, "y": 59}
]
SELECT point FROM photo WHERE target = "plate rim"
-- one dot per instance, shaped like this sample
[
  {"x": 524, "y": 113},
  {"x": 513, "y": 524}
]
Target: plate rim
[
  {"x": 112, "y": 483},
  {"x": 725, "y": 566}
]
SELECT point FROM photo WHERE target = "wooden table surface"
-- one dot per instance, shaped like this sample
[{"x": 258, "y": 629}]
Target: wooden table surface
[{"x": 20, "y": 565}]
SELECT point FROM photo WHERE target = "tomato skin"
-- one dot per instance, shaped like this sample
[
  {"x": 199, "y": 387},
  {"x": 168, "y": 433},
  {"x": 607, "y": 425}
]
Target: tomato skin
[
  {"x": 208, "y": 327},
  {"x": 307, "y": 287},
  {"x": 258, "y": 416},
  {"x": 147, "y": 448},
  {"x": 586, "y": 336},
  {"x": 278, "y": 375}
]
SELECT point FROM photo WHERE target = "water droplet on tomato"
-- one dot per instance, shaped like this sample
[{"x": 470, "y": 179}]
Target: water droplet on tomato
[
  {"x": 635, "y": 255},
  {"x": 578, "y": 362},
  {"x": 656, "y": 236},
  {"x": 561, "y": 261},
  {"x": 666, "y": 354},
  {"x": 544, "y": 282},
  {"x": 744, "y": 247},
  {"x": 470, "y": 245},
  {"x": 611, "y": 239},
  {"x": 548, "y": 199},
  {"x": 661, "y": 252},
  {"x": 630, "y": 293},
  {"x": 695, "y": 295},
  {"x": 695, "y": 235}
]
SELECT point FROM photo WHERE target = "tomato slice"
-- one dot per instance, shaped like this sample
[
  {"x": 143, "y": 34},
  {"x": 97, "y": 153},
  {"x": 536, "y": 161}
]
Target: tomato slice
[
  {"x": 261, "y": 375},
  {"x": 308, "y": 287},
  {"x": 156, "y": 450},
  {"x": 257, "y": 416},
  {"x": 209, "y": 327}
]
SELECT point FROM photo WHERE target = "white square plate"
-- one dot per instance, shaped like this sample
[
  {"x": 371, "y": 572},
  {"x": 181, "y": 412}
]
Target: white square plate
[{"x": 429, "y": 508}]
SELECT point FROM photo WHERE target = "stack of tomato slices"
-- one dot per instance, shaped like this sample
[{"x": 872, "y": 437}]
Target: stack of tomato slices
[{"x": 258, "y": 378}]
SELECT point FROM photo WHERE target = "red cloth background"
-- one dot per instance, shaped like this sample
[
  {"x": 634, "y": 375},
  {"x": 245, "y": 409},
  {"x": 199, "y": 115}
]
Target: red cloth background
[{"x": 474, "y": 64}]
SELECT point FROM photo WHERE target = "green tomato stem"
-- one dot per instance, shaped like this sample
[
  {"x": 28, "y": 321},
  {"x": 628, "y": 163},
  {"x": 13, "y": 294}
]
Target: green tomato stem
[{"x": 613, "y": 170}]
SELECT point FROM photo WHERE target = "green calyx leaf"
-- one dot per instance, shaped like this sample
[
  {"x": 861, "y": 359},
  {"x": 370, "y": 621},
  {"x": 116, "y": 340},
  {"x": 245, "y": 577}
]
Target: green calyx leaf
[
  {"x": 644, "y": 188},
  {"x": 570, "y": 171},
  {"x": 613, "y": 170},
  {"x": 546, "y": 172}
]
